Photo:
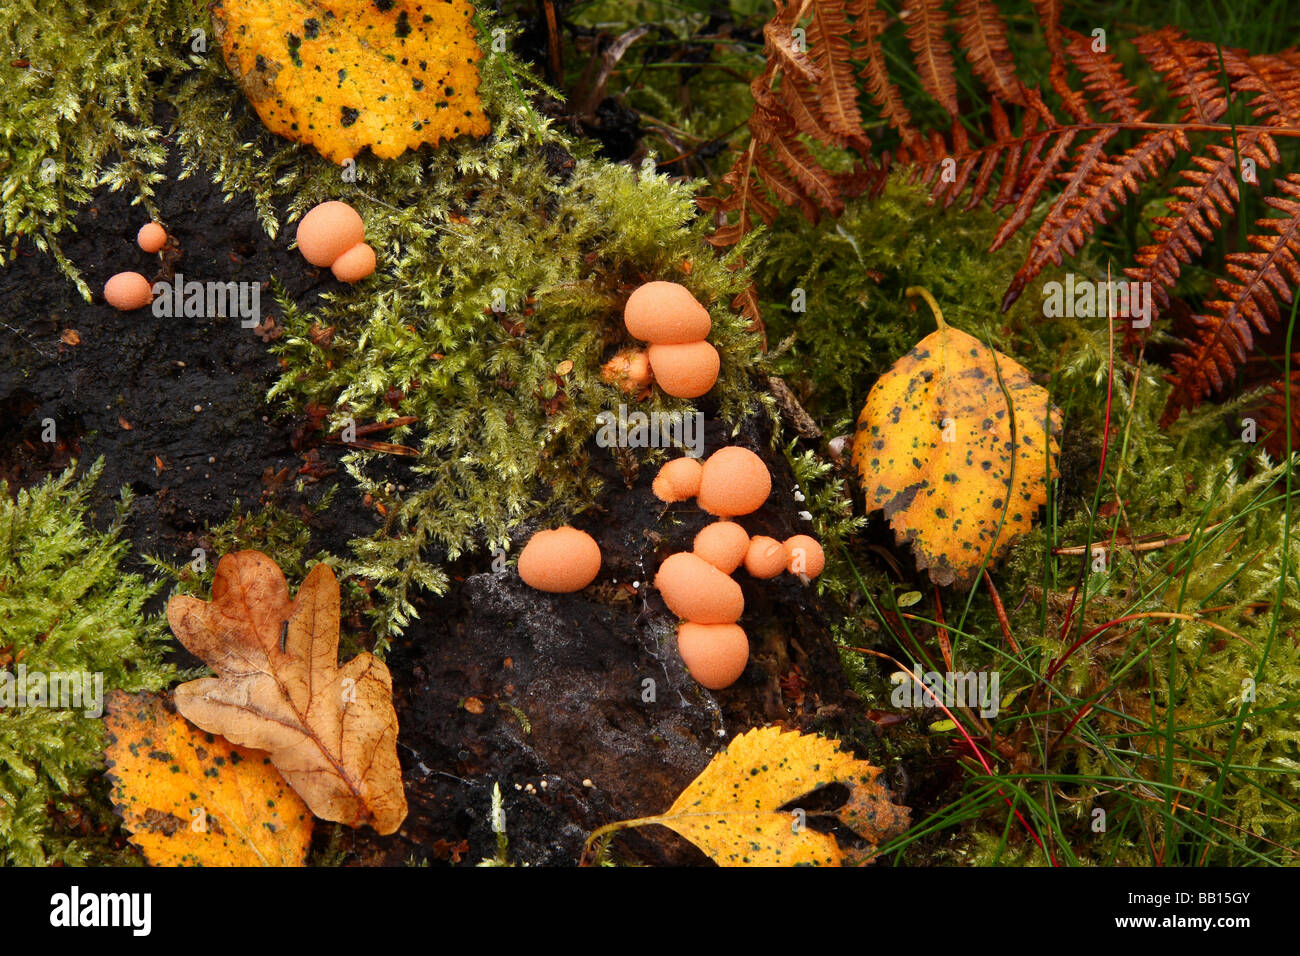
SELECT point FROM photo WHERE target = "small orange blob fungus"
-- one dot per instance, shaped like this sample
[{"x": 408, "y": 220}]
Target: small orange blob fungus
[
  {"x": 355, "y": 264},
  {"x": 715, "y": 654},
  {"x": 678, "y": 480},
  {"x": 151, "y": 237},
  {"x": 804, "y": 555},
  {"x": 629, "y": 370},
  {"x": 685, "y": 371},
  {"x": 561, "y": 561},
  {"x": 723, "y": 544},
  {"x": 766, "y": 557},
  {"x": 735, "y": 482},
  {"x": 328, "y": 231},
  {"x": 695, "y": 590},
  {"x": 665, "y": 313},
  {"x": 128, "y": 290}
]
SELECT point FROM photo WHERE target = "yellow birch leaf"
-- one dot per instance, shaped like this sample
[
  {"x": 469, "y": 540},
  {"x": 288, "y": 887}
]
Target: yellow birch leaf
[
  {"x": 740, "y": 809},
  {"x": 934, "y": 450},
  {"x": 189, "y": 798},
  {"x": 342, "y": 75}
]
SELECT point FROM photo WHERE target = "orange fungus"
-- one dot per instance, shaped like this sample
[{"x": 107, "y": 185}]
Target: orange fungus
[
  {"x": 695, "y": 590},
  {"x": 723, "y": 544},
  {"x": 715, "y": 654},
  {"x": 562, "y": 560},
  {"x": 735, "y": 482},
  {"x": 128, "y": 290},
  {"x": 665, "y": 313}
]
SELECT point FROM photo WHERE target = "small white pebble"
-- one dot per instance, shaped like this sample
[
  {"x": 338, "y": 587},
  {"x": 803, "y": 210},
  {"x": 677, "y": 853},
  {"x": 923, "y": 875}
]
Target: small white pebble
[
  {"x": 198, "y": 408},
  {"x": 543, "y": 784},
  {"x": 805, "y": 516},
  {"x": 798, "y": 495},
  {"x": 212, "y": 459},
  {"x": 587, "y": 782},
  {"x": 519, "y": 786}
]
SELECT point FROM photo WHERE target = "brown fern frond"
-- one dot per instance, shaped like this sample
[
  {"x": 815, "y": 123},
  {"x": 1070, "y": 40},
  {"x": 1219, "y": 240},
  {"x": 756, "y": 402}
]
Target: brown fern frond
[
  {"x": 837, "y": 92},
  {"x": 800, "y": 93},
  {"x": 1190, "y": 70},
  {"x": 1271, "y": 419},
  {"x": 1260, "y": 279},
  {"x": 1271, "y": 83},
  {"x": 1092, "y": 197},
  {"x": 1103, "y": 78},
  {"x": 778, "y": 38},
  {"x": 1210, "y": 194},
  {"x": 773, "y": 131},
  {"x": 927, "y": 26},
  {"x": 984, "y": 38},
  {"x": 746, "y": 193},
  {"x": 776, "y": 179},
  {"x": 1049, "y": 14},
  {"x": 868, "y": 25}
]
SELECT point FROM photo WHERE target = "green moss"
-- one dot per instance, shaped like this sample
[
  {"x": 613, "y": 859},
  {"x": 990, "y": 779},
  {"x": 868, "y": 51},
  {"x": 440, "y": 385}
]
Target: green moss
[
  {"x": 78, "y": 111},
  {"x": 65, "y": 606}
]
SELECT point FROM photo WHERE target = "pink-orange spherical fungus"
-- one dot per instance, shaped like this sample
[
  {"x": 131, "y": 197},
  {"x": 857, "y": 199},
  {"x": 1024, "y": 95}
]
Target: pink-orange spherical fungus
[
  {"x": 735, "y": 482},
  {"x": 127, "y": 291},
  {"x": 723, "y": 544},
  {"x": 329, "y": 230},
  {"x": 562, "y": 560},
  {"x": 678, "y": 480},
  {"x": 687, "y": 370},
  {"x": 766, "y": 557},
  {"x": 151, "y": 237},
  {"x": 355, "y": 264},
  {"x": 804, "y": 555},
  {"x": 665, "y": 313},
  {"x": 696, "y": 591},
  {"x": 715, "y": 654}
]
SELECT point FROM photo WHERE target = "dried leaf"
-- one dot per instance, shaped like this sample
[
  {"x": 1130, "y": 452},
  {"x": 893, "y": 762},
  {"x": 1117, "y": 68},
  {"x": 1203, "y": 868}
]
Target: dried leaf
[
  {"x": 935, "y": 449},
  {"x": 390, "y": 74},
  {"x": 193, "y": 799},
  {"x": 330, "y": 730},
  {"x": 740, "y": 810}
]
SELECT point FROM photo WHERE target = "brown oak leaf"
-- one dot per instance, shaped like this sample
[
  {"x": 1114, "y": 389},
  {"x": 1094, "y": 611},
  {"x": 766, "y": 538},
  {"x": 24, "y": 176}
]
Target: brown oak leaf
[{"x": 330, "y": 730}]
